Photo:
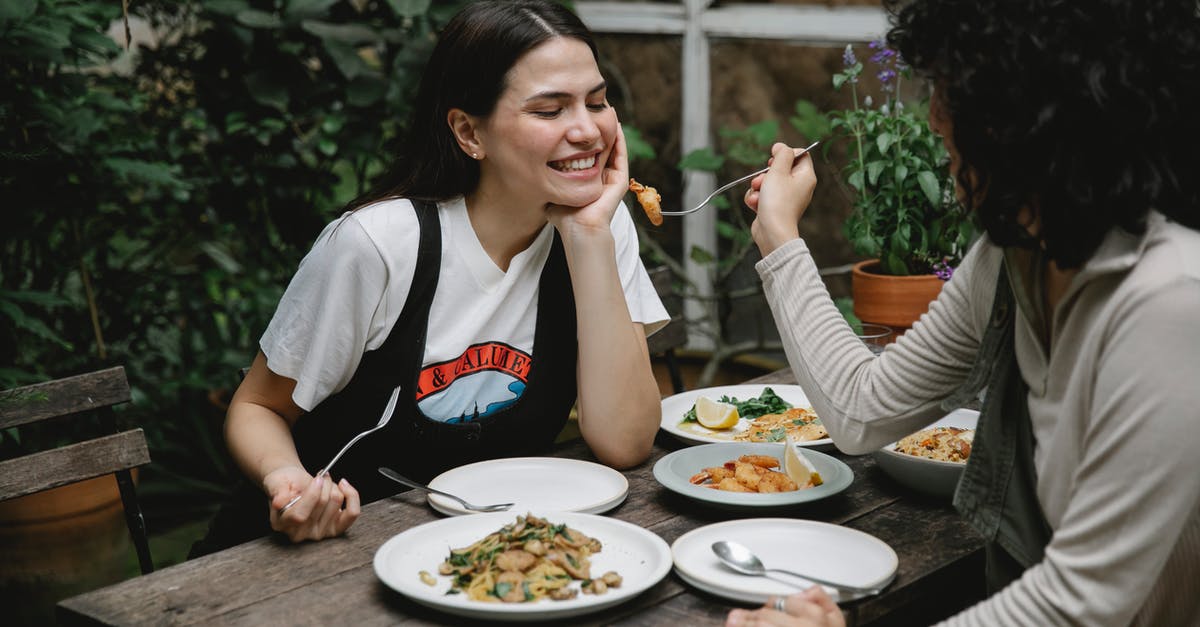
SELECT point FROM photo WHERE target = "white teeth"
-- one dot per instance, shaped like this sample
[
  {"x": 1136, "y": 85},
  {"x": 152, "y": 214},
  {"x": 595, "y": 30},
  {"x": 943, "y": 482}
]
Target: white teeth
[{"x": 574, "y": 164}]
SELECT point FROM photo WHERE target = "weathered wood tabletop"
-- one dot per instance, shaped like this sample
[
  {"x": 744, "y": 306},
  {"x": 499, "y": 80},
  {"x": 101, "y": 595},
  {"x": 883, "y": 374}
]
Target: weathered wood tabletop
[{"x": 271, "y": 582}]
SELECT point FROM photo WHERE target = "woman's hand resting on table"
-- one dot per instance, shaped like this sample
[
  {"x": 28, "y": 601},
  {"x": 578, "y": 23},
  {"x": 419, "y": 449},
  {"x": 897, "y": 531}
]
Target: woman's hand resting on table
[
  {"x": 779, "y": 197},
  {"x": 811, "y": 608},
  {"x": 325, "y": 510}
]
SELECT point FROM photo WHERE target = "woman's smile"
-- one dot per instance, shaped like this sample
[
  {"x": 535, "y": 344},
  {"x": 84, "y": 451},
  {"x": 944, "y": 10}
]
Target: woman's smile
[{"x": 549, "y": 137}]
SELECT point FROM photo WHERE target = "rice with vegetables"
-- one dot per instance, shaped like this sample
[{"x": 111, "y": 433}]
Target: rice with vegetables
[{"x": 945, "y": 444}]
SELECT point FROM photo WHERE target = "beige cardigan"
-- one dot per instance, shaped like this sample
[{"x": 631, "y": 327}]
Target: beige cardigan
[{"x": 1115, "y": 407}]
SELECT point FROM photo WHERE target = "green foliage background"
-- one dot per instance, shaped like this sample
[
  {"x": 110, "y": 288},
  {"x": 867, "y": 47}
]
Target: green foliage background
[{"x": 156, "y": 204}]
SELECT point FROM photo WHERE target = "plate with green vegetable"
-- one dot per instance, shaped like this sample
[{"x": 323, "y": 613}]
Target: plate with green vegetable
[{"x": 685, "y": 415}]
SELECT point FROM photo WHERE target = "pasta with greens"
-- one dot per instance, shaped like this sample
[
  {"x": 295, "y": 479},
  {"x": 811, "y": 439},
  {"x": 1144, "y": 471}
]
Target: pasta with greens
[{"x": 528, "y": 560}]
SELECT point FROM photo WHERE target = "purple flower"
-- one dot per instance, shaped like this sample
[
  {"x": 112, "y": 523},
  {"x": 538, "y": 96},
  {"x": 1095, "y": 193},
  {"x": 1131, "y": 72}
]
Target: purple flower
[
  {"x": 883, "y": 56},
  {"x": 848, "y": 58},
  {"x": 943, "y": 270}
]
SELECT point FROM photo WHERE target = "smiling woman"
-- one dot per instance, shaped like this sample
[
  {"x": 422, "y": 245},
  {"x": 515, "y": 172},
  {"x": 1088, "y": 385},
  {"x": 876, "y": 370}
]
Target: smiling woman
[{"x": 494, "y": 276}]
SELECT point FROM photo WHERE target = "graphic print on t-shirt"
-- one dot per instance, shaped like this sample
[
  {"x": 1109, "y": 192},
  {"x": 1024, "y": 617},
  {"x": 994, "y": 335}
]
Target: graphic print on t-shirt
[{"x": 485, "y": 379}]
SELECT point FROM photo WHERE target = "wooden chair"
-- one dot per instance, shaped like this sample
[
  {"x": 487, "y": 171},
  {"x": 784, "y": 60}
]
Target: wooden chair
[
  {"x": 674, "y": 335},
  {"x": 117, "y": 453}
]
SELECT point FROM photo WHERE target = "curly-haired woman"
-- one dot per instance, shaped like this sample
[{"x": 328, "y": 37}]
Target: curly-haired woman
[{"x": 1069, "y": 127}]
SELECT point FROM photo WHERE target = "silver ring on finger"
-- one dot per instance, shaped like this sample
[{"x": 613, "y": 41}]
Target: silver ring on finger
[{"x": 780, "y": 604}]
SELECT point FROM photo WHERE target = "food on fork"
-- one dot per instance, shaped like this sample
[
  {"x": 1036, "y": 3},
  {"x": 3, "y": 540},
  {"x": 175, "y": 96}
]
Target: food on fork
[
  {"x": 649, "y": 199},
  {"x": 528, "y": 560}
]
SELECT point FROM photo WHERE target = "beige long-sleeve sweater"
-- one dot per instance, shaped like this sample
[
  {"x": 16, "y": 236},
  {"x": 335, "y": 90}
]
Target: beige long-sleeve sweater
[{"x": 1114, "y": 402}]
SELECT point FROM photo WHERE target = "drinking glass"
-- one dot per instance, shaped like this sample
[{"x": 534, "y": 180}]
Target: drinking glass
[{"x": 875, "y": 336}]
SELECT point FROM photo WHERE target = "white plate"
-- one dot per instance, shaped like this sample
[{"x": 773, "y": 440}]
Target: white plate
[
  {"x": 675, "y": 469},
  {"x": 639, "y": 556},
  {"x": 930, "y": 476},
  {"x": 533, "y": 483},
  {"x": 823, "y": 550},
  {"x": 674, "y": 407}
]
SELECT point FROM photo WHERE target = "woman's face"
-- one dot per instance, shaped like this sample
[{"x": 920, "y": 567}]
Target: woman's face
[{"x": 551, "y": 131}]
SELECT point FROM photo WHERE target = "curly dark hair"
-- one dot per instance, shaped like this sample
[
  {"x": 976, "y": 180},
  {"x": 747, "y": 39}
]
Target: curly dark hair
[{"x": 1084, "y": 111}]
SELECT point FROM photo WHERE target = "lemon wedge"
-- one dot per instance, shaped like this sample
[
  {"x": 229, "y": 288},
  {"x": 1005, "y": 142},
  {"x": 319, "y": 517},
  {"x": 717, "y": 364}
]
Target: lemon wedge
[
  {"x": 798, "y": 467},
  {"x": 715, "y": 414}
]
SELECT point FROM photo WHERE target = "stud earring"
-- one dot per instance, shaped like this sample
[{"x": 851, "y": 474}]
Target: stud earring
[{"x": 474, "y": 155}]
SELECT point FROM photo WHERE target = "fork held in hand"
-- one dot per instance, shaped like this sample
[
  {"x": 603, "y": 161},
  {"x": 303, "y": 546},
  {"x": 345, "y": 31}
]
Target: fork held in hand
[
  {"x": 383, "y": 420},
  {"x": 726, "y": 186}
]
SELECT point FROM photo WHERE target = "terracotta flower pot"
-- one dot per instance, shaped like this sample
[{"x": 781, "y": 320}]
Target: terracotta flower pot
[
  {"x": 59, "y": 543},
  {"x": 895, "y": 301}
]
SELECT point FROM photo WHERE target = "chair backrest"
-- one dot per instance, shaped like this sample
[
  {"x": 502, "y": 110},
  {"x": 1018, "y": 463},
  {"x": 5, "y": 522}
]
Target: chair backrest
[
  {"x": 115, "y": 453},
  {"x": 674, "y": 335}
]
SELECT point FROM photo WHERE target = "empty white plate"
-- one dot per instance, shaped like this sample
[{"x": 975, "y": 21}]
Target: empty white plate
[
  {"x": 827, "y": 551},
  {"x": 531, "y": 483}
]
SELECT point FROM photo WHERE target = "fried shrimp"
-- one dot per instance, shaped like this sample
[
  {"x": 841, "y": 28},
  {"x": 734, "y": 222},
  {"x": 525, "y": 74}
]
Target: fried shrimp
[
  {"x": 649, "y": 199},
  {"x": 748, "y": 473}
]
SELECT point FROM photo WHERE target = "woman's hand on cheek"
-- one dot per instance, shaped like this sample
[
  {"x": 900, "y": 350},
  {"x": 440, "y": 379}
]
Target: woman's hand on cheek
[{"x": 598, "y": 214}]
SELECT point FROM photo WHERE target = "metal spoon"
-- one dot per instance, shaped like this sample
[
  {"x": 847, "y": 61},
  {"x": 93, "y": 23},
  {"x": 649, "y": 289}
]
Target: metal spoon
[
  {"x": 799, "y": 153},
  {"x": 742, "y": 560},
  {"x": 399, "y": 478}
]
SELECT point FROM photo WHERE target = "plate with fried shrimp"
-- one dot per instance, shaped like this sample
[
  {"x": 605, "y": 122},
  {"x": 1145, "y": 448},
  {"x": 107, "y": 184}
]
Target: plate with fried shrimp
[
  {"x": 751, "y": 475},
  {"x": 520, "y": 567}
]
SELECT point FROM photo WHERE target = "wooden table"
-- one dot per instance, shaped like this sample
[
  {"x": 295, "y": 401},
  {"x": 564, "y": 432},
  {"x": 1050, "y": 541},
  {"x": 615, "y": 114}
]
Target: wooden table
[{"x": 270, "y": 582}]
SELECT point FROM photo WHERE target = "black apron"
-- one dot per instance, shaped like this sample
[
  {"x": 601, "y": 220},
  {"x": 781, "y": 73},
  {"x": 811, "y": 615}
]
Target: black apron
[
  {"x": 417, "y": 446},
  {"x": 998, "y": 490}
]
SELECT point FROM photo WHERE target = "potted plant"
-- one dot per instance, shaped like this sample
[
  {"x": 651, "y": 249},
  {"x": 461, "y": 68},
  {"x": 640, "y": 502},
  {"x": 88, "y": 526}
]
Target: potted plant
[{"x": 905, "y": 216}]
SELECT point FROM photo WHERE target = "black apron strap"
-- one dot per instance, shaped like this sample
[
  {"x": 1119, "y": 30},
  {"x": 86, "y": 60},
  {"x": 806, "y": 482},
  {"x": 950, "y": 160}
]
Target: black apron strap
[{"x": 998, "y": 490}]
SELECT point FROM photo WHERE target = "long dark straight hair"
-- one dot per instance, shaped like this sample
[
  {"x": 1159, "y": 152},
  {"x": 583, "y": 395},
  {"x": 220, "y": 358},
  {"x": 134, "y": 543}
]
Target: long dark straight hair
[{"x": 467, "y": 70}]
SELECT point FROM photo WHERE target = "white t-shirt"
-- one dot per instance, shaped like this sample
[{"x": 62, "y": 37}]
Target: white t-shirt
[{"x": 351, "y": 287}]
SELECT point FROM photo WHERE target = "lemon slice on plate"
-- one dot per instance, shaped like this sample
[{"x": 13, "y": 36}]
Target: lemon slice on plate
[
  {"x": 715, "y": 414},
  {"x": 797, "y": 466}
]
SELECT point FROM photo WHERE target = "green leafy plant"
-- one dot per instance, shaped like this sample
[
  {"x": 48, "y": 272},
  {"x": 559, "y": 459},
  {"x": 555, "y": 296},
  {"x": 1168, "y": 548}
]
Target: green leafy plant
[
  {"x": 159, "y": 198},
  {"x": 904, "y": 209}
]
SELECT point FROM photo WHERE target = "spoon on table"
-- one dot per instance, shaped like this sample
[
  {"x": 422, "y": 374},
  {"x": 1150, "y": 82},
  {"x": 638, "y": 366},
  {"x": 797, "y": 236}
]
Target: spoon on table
[
  {"x": 743, "y": 560},
  {"x": 399, "y": 478}
]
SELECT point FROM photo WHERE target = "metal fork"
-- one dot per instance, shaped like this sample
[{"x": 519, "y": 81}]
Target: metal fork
[
  {"x": 731, "y": 184},
  {"x": 383, "y": 420},
  {"x": 399, "y": 478}
]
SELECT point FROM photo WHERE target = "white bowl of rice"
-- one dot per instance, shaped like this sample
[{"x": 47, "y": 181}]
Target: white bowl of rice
[{"x": 931, "y": 460}]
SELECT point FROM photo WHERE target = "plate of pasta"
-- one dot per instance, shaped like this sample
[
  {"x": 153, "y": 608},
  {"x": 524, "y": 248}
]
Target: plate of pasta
[
  {"x": 766, "y": 413},
  {"x": 523, "y": 567}
]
